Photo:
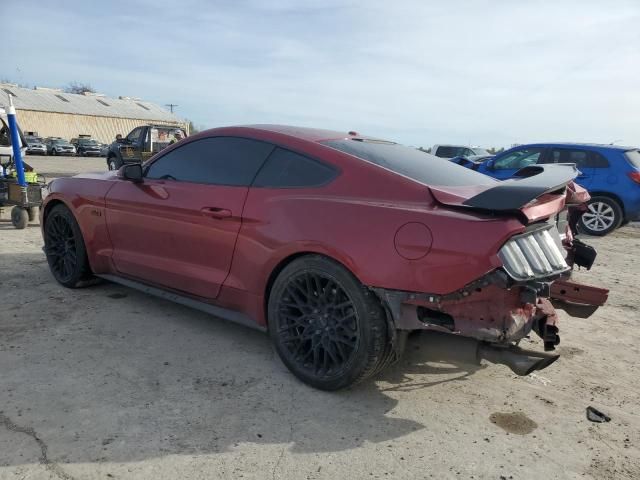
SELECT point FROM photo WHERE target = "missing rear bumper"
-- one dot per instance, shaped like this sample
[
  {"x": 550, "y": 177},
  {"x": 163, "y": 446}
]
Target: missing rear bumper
[{"x": 490, "y": 309}]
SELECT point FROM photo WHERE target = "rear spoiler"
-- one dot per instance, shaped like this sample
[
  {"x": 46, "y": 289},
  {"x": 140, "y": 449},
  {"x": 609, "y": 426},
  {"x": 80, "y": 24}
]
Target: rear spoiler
[{"x": 528, "y": 184}]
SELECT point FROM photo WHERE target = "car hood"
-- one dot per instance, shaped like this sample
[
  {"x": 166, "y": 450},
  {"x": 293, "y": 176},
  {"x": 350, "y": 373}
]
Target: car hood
[
  {"x": 537, "y": 192},
  {"x": 109, "y": 175}
]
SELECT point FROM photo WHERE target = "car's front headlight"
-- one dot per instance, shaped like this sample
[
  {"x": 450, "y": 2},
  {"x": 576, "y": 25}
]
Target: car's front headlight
[{"x": 533, "y": 255}]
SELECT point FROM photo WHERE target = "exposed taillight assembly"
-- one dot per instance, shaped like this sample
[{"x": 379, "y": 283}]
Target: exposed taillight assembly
[
  {"x": 635, "y": 176},
  {"x": 533, "y": 255}
]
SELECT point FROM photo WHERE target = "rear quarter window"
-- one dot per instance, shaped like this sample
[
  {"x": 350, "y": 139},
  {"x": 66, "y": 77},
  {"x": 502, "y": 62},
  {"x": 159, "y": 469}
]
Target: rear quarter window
[
  {"x": 287, "y": 169},
  {"x": 633, "y": 157}
]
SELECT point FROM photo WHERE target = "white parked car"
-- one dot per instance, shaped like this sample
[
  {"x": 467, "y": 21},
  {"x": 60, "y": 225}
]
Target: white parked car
[{"x": 450, "y": 151}]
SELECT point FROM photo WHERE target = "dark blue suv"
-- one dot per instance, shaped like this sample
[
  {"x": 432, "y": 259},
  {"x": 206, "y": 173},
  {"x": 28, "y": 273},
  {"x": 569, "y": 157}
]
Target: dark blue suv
[{"x": 610, "y": 173}]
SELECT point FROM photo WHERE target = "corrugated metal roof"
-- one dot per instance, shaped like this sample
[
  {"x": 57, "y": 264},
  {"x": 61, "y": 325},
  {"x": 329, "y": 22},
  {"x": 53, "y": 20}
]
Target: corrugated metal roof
[{"x": 51, "y": 100}]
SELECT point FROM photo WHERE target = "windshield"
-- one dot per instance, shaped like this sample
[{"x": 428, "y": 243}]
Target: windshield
[
  {"x": 415, "y": 164},
  {"x": 87, "y": 141},
  {"x": 61, "y": 142}
]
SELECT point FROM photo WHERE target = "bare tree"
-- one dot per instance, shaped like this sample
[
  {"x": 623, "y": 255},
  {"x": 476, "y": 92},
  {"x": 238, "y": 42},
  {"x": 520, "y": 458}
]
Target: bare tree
[
  {"x": 78, "y": 87},
  {"x": 193, "y": 128}
]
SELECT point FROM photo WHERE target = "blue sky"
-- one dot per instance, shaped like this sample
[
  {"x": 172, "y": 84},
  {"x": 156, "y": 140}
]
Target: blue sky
[{"x": 488, "y": 73}]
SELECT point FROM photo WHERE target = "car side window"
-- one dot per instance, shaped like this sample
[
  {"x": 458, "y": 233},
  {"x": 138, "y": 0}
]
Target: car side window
[
  {"x": 134, "y": 135},
  {"x": 597, "y": 160},
  {"x": 518, "y": 159},
  {"x": 5, "y": 139},
  {"x": 287, "y": 169},
  {"x": 215, "y": 161},
  {"x": 581, "y": 158}
]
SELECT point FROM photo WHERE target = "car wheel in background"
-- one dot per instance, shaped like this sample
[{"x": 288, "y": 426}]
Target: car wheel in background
[
  {"x": 64, "y": 248},
  {"x": 327, "y": 328},
  {"x": 603, "y": 215},
  {"x": 32, "y": 213},
  {"x": 113, "y": 163},
  {"x": 19, "y": 217}
]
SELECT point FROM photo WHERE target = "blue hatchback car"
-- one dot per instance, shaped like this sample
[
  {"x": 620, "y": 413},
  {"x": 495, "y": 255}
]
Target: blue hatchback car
[{"x": 610, "y": 173}]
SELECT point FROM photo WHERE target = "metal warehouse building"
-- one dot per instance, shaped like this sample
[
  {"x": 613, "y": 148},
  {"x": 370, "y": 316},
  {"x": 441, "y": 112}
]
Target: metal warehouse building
[{"x": 53, "y": 113}]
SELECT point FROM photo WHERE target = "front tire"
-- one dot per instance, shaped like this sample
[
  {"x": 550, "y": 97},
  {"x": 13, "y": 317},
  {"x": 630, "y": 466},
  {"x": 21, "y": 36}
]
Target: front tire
[
  {"x": 327, "y": 328},
  {"x": 19, "y": 217},
  {"x": 603, "y": 215},
  {"x": 113, "y": 163},
  {"x": 65, "y": 249}
]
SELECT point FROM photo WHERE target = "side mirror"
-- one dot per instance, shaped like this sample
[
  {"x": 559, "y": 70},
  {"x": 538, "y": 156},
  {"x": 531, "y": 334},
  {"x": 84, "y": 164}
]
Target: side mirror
[
  {"x": 491, "y": 164},
  {"x": 131, "y": 172}
]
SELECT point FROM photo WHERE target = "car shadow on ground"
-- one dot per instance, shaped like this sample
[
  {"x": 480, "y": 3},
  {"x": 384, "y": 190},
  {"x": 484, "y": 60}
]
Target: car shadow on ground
[{"x": 110, "y": 374}]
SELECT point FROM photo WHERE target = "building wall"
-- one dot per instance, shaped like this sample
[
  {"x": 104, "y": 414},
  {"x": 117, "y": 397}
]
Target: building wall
[{"x": 68, "y": 126}]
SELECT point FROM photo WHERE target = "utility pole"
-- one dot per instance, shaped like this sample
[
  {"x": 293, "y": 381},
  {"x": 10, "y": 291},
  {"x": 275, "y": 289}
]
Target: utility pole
[{"x": 171, "y": 105}]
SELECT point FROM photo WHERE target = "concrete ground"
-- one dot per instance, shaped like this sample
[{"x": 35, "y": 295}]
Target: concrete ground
[{"x": 106, "y": 382}]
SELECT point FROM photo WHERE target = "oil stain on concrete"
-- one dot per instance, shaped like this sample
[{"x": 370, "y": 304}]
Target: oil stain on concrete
[{"x": 516, "y": 422}]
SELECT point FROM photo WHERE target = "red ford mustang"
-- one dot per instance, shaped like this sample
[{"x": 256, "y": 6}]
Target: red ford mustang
[{"x": 337, "y": 243}]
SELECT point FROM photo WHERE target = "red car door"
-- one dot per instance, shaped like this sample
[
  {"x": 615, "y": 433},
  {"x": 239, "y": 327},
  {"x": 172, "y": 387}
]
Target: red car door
[{"x": 178, "y": 228}]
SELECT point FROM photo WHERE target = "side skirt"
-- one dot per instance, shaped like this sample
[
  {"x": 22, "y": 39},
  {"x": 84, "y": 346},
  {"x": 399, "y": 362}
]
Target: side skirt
[{"x": 214, "y": 310}]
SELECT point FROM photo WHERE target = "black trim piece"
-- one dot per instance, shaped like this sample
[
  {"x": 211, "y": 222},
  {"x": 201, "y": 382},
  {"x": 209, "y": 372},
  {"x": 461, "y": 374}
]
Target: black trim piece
[
  {"x": 529, "y": 183},
  {"x": 231, "y": 315}
]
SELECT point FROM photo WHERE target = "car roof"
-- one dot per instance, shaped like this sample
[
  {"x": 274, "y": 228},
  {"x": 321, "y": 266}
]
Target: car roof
[
  {"x": 314, "y": 135},
  {"x": 576, "y": 144},
  {"x": 305, "y": 133}
]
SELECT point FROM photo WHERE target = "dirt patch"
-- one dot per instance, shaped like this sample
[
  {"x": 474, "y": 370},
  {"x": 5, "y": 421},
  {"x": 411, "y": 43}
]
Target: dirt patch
[{"x": 516, "y": 422}]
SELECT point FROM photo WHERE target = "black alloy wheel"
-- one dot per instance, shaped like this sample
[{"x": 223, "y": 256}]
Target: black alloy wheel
[
  {"x": 64, "y": 247},
  {"x": 327, "y": 328}
]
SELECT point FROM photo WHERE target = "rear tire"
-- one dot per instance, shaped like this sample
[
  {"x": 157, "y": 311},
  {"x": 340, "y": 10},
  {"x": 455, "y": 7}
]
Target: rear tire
[
  {"x": 603, "y": 216},
  {"x": 65, "y": 249},
  {"x": 328, "y": 328},
  {"x": 33, "y": 213}
]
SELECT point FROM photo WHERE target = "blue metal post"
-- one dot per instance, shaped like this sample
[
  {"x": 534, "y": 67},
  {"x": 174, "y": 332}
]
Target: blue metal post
[{"x": 15, "y": 143}]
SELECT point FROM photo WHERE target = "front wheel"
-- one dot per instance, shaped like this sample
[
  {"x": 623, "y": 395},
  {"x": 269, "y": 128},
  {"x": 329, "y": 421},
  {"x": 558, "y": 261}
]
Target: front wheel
[
  {"x": 19, "y": 217},
  {"x": 327, "y": 328},
  {"x": 114, "y": 164},
  {"x": 65, "y": 249},
  {"x": 603, "y": 215}
]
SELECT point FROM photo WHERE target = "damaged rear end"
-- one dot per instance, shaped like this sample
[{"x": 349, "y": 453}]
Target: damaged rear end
[{"x": 490, "y": 315}]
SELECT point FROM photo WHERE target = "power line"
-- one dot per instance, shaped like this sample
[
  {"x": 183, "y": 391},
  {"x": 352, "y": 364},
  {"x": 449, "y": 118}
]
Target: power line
[{"x": 171, "y": 105}]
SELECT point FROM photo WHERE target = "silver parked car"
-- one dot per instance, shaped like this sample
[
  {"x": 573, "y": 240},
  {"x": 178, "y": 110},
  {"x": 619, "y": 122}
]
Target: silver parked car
[
  {"x": 35, "y": 146},
  {"x": 60, "y": 146}
]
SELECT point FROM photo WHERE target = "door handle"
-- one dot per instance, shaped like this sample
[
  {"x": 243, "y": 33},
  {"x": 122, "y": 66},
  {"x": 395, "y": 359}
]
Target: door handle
[{"x": 215, "y": 212}]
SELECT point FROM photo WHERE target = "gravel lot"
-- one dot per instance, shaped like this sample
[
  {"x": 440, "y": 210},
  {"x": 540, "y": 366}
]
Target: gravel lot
[{"x": 106, "y": 382}]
